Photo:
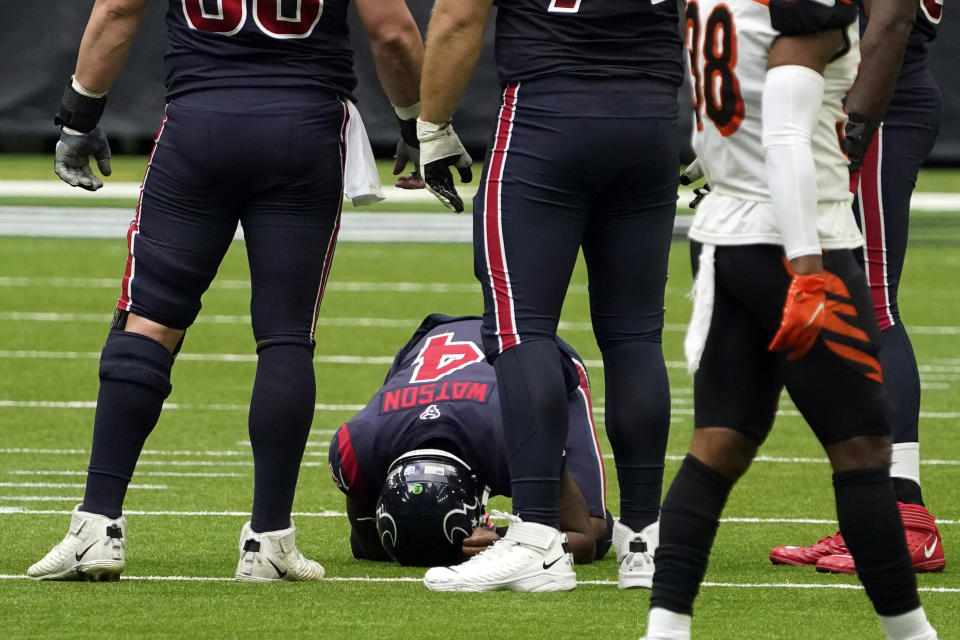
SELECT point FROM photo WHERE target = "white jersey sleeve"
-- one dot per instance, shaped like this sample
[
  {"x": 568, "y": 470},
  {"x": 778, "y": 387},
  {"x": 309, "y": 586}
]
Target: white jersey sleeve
[{"x": 728, "y": 44}]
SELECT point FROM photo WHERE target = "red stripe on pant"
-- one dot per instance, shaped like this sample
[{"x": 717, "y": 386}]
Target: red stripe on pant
[
  {"x": 125, "y": 301},
  {"x": 870, "y": 196},
  {"x": 332, "y": 244},
  {"x": 493, "y": 228}
]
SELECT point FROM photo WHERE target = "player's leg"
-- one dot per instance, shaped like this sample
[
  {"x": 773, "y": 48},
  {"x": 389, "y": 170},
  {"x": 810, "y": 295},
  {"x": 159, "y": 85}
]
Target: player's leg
[
  {"x": 176, "y": 243},
  {"x": 736, "y": 388},
  {"x": 529, "y": 215},
  {"x": 837, "y": 386},
  {"x": 882, "y": 207},
  {"x": 290, "y": 229},
  {"x": 626, "y": 248}
]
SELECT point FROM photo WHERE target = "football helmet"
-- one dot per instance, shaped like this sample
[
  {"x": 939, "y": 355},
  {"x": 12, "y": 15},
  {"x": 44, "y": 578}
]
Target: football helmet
[{"x": 430, "y": 501}]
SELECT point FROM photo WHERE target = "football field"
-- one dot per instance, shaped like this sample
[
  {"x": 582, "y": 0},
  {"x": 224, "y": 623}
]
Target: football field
[{"x": 193, "y": 485}]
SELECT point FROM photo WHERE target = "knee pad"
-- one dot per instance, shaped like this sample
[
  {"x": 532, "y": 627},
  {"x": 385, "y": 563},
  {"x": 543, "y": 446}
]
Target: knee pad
[{"x": 137, "y": 359}]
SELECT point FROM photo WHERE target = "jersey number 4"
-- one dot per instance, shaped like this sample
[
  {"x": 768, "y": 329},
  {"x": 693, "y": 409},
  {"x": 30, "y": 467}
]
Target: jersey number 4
[
  {"x": 229, "y": 17},
  {"x": 716, "y": 89},
  {"x": 441, "y": 355}
]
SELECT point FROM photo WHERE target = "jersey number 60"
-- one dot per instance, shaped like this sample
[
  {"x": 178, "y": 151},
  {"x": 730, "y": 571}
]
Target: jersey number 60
[{"x": 230, "y": 16}]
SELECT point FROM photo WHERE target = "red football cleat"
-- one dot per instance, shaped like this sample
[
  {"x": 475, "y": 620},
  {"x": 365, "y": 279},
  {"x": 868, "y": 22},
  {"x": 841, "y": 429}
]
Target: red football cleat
[
  {"x": 804, "y": 556},
  {"x": 923, "y": 543}
]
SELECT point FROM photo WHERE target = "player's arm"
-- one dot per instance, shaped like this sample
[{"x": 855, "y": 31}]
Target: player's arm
[
  {"x": 397, "y": 49},
  {"x": 881, "y": 51},
  {"x": 792, "y": 100},
  {"x": 454, "y": 41},
  {"x": 364, "y": 540},
  {"x": 103, "y": 50}
]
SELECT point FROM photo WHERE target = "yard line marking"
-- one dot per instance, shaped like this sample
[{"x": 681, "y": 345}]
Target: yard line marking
[
  {"x": 363, "y": 322},
  {"x": 195, "y": 357},
  {"x": 173, "y": 406},
  {"x": 602, "y": 583},
  {"x": 163, "y": 474},
  {"x": 43, "y": 498},
  {"x": 8, "y": 511},
  {"x": 327, "y": 513},
  {"x": 313, "y": 443},
  {"x": 64, "y": 485}
]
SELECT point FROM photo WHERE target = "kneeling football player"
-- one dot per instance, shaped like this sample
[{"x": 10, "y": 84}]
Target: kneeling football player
[{"x": 419, "y": 461}]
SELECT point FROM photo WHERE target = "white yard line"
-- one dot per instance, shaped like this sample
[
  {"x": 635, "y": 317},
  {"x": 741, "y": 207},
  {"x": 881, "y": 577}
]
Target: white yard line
[
  {"x": 388, "y": 323},
  {"x": 41, "y": 498},
  {"x": 152, "y": 474},
  {"x": 603, "y": 583},
  {"x": 78, "y": 485},
  {"x": 327, "y": 513}
]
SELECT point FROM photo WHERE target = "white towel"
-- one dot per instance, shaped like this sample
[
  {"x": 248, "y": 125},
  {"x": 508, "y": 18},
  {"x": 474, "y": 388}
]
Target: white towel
[
  {"x": 702, "y": 294},
  {"x": 361, "y": 181}
]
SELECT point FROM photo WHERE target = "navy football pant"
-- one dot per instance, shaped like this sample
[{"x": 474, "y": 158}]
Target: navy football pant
[
  {"x": 883, "y": 189},
  {"x": 579, "y": 164},
  {"x": 273, "y": 163}
]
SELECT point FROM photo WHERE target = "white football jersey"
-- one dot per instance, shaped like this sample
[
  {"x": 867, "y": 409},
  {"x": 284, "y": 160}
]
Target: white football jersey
[{"x": 728, "y": 44}]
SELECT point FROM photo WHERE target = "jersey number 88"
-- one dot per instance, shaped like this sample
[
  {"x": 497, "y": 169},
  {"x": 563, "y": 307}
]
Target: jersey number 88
[{"x": 716, "y": 90}]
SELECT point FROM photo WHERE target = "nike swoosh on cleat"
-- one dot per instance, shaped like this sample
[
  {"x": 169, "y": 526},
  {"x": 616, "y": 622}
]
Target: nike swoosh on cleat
[
  {"x": 555, "y": 561},
  {"x": 279, "y": 573},
  {"x": 79, "y": 556},
  {"x": 927, "y": 551}
]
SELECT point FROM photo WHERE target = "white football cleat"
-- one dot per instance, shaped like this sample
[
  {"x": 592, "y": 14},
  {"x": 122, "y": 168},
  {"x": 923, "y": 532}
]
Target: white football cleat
[
  {"x": 93, "y": 549},
  {"x": 635, "y": 553},
  {"x": 530, "y": 557},
  {"x": 272, "y": 556}
]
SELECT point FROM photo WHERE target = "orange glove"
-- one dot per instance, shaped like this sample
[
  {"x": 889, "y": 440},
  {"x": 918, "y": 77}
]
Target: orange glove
[{"x": 803, "y": 315}]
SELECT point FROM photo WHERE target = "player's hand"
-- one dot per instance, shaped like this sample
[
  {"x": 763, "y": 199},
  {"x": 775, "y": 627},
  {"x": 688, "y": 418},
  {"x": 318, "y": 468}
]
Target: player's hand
[
  {"x": 692, "y": 173},
  {"x": 72, "y": 157},
  {"x": 479, "y": 540},
  {"x": 857, "y": 136},
  {"x": 408, "y": 147},
  {"x": 439, "y": 149},
  {"x": 804, "y": 314}
]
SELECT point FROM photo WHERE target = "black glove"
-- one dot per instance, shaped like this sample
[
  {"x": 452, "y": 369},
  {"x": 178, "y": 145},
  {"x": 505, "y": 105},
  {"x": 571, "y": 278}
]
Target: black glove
[
  {"x": 858, "y": 134},
  {"x": 80, "y": 138},
  {"x": 439, "y": 149},
  {"x": 408, "y": 147}
]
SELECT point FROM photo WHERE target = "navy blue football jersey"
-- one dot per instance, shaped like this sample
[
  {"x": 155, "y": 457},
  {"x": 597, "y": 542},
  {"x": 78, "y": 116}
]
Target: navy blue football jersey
[
  {"x": 595, "y": 38},
  {"x": 440, "y": 388},
  {"x": 258, "y": 43}
]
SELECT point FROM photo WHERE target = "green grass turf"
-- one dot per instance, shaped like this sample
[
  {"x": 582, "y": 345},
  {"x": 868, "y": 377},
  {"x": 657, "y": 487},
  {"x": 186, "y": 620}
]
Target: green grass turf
[{"x": 82, "y": 277}]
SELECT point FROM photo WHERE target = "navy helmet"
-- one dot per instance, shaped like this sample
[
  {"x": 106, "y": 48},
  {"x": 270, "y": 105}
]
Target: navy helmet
[{"x": 430, "y": 501}]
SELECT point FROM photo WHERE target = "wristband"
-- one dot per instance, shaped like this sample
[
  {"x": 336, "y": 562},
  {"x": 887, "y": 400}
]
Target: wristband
[
  {"x": 78, "y": 111},
  {"x": 408, "y": 113}
]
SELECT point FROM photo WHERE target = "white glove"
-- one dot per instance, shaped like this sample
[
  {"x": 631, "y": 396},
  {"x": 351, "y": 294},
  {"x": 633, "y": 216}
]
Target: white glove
[{"x": 439, "y": 149}]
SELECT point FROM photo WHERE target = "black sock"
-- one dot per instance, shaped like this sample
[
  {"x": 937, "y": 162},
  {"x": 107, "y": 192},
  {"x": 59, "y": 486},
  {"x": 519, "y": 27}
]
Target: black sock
[
  {"x": 637, "y": 417},
  {"x": 907, "y": 491},
  {"x": 134, "y": 382},
  {"x": 688, "y": 525},
  {"x": 281, "y": 411},
  {"x": 533, "y": 402},
  {"x": 873, "y": 531}
]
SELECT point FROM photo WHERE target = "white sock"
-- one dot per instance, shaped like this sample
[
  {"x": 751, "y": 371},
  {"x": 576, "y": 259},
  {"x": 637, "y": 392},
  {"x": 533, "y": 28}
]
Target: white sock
[
  {"x": 906, "y": 461},
  {"x": 912, "y": 625},
  {"x": 667, "y": 625}
]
